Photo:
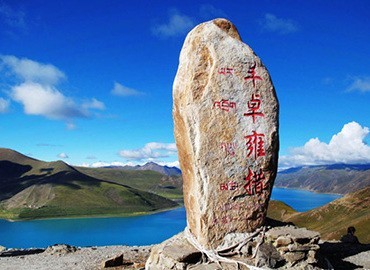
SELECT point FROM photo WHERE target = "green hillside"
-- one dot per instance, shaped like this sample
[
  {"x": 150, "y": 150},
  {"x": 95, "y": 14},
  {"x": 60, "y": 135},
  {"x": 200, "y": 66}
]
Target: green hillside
[
  {"x": 333, "y": 219},
  {"x": 32, "y": 188},
  {"x": 150, "y": 181}
]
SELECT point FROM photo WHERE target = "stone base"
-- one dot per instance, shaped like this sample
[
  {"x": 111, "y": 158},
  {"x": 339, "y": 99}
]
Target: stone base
[
  {"x": 284, "y": 247},
  {"x": 178, "y": 253}
]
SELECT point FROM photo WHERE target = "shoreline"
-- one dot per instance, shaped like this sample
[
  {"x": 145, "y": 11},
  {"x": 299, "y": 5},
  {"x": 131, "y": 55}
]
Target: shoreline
[
  {"x": 311, "y": 190},
  {"x": 136, "y": 214}
]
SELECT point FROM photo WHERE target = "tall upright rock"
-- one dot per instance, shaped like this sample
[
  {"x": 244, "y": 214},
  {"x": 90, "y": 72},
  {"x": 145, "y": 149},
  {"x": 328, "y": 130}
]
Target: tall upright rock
[{"x": 225, "y": 113}]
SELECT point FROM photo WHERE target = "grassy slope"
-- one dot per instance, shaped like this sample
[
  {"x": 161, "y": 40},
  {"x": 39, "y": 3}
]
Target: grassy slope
[
  {"x": 36, "y": 189},
  {"x": 150, "y": 181},
  {"x": 333, "y": 219}
]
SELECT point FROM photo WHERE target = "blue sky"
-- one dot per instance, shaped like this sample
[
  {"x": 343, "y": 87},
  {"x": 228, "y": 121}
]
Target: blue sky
[{"x": 90, "y": 82}]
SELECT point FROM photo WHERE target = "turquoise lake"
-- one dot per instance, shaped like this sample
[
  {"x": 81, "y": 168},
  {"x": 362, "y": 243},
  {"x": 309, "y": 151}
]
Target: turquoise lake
[{"x": 140, "y": 230}]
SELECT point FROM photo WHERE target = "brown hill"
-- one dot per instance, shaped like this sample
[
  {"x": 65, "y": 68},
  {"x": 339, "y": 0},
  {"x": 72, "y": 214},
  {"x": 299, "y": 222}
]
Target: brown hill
[
  {"x": 32, "y": 188},
  {"x": 333, "y": 219},
  {"x": 335, "y": 178}
]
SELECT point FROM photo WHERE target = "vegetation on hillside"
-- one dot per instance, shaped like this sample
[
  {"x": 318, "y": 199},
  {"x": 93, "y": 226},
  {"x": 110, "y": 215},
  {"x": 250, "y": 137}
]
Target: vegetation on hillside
[
  {"x": 35, "y": 189},
  {"x": 333, "y": 219}
]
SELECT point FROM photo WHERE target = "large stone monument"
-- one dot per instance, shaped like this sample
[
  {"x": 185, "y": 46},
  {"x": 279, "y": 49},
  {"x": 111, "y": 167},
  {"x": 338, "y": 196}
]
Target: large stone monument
[{"x": 225, "y": 112}]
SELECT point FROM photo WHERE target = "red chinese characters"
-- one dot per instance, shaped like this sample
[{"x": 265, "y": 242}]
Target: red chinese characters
[
  {"x": 225, "y": 71},
  {"x": 224, "y": 105},
  {"x": 255, "y": 144},
  {"x": 252, "y": 75},
  {"x": 228, "y": 148},
  {"x": 255, "y": 182},
  {"x": 254, "y": 106}
]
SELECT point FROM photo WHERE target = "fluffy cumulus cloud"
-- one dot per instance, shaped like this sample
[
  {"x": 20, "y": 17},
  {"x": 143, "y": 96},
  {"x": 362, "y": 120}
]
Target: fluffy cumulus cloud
[
  {"x": 123, "y": 91},
  {"x": 347, "y": 146},
  {"x": 31, "y": 71},
  {"x": 151, "y": 151},
  {"x": 278, "y": 25},
  {"x": 37, "y": 91},
  {"x": 44, "y": 100},
  {"x": 361, "y": 84},
  {"x": 4, "y": 105},
  {"x": 177, "y": 24}
]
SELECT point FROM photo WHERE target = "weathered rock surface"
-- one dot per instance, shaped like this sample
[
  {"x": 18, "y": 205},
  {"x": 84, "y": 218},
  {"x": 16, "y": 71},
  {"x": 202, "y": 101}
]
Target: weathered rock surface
[
  {"x": 226, "y": 128},
  {"x": 174, "y": 253},
  {"x": 60, "y": 249},
  {"x": 298, "y": 246},
  {"x": 257, "y": 250}
]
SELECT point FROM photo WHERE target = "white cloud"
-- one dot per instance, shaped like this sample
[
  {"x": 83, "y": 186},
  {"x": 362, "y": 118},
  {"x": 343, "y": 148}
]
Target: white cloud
[
  {"x": 177, "y": 24},
  {"x": 122, "y": 164},
  {"x": 281, "y": 26},
  {"x": 150, "y": 151},
  {"x": 37, "y": 91},
  {"x": 347, "y": 146},
  {"x": 361, "y": 84},
  {"x": 4, "y": 105},
  {"x": 120, "y": 90},
  {"x": 106, "y": 164},
  {"x": 63, "y": 155},
  {"x": 31, "y": 71},
  {"x": 94, "y": 104},
  {"x": 170, "y": 164},
  {"x": 46, "y": 101}
]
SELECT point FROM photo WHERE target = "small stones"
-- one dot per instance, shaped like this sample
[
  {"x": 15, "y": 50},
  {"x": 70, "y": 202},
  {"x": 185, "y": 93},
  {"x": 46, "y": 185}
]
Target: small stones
[
  {"x": 283, "y": 241},
  {"x": 60, "y": 249},
  {"x": 296, "y": 245}
]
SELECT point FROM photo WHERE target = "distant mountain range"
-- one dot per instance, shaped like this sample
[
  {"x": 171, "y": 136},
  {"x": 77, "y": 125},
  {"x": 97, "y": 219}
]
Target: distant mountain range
[
  {"x": 151, "y": 166},
  {"x": 336, "y": 178},
  {"x": 31, "y": 188}
]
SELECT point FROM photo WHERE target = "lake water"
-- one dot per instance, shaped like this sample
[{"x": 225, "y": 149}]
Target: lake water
[{"x": 141, "y": 230}]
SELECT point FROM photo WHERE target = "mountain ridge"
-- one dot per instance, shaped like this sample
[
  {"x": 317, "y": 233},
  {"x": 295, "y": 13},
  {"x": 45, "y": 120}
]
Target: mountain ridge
[
  {"x": 152, "y": 166},
  {"x": 36, "y": 189},
  {"x": 334, "y": 178}
]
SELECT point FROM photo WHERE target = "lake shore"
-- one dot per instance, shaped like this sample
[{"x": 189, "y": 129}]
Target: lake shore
[{"x": 135, "y": 214}]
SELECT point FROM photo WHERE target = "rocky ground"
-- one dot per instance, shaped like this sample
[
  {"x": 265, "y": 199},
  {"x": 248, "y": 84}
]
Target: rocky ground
[
  {"x": 340, "y": 256},
  {"x": 67, "y": 257}
]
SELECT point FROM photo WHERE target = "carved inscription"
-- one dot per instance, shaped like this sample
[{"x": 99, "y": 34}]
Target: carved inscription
[
  {"x": 224, "y": 105},
  {"x": 255, "y": 141},
  {"x": 252, "y": 75}
]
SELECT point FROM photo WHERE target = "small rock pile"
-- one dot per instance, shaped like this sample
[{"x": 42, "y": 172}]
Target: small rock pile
[
  {"x": 285, "y": 247},
  {"x": 298, "y": 246}
]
